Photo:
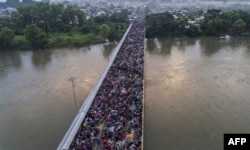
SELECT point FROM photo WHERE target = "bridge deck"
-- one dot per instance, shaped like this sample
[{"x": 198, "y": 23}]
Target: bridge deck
[{"x": 111, "y": 116}]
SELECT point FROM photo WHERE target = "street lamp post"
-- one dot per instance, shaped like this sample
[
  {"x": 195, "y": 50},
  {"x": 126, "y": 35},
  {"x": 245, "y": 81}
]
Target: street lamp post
[{"x": 72, "y": 79}]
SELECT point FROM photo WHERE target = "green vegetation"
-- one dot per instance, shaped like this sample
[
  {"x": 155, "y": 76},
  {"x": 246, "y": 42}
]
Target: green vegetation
[
  {"x": 104, "y": 30},
  {"x": 48, "y": 26},
  {"x": 160, "y": 24},
  {"x": 214, "y": 23},
  {"x": 6, "y": 37},
  {"x": 239, "y": 26},
  {"x": 36, "y": 37}
]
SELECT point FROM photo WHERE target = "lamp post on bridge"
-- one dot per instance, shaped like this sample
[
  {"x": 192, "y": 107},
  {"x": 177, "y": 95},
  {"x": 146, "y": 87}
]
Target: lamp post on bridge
[{"x": 72, "y": 79}]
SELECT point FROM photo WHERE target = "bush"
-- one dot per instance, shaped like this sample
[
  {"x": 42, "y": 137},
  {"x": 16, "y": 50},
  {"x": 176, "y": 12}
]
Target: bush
[
  {"x": 77, "y": 42},
  {"x": 19, "y": 31},
  {"x": 6, "y": 37},
  {"x": 20, "y": 43},
  {"x": 66, "y": 28},
  {"x": 36, "y": 37}
]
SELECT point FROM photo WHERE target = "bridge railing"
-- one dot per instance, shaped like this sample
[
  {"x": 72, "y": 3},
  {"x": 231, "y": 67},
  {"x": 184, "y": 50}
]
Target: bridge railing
[{"x": 74, "y": 127}]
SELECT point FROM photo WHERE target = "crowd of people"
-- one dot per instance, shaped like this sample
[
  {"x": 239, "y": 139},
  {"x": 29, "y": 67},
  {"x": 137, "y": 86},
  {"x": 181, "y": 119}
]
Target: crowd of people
[{"x": 114, "y": 120}]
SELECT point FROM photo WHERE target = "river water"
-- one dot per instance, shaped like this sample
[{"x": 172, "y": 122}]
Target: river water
[
  {"x": 36, "y": 98},
  {"x": 195, "y": 91}
]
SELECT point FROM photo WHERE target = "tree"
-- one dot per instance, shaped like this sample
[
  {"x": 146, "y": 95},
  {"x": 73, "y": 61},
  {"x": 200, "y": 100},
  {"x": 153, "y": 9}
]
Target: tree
[
  {"x": 239, "y": 26},
  {"x": 6, "y": 37},
  {"x": 68, "y": 16},
  {"x": 25, "y": 16},
  {"x": 193, "y": 31},
  {"x": 214, "y": 22},
  {"x": 121, "y": 16},
  {"x": 55, "y": 18},
  {"x": 104, "y": 30},
  {"x": 80, "y": 17},
  {"x": 162, "y": 24},
  {"x": 212, "y": 14},
  {"x": 183, "y": 21},
  {"x": 36, "y": 37}
]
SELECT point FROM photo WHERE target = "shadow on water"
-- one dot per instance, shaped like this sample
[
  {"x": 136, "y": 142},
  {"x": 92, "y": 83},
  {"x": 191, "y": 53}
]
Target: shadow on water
[
  {"x": 248, "y": 48},
  {"x": 87, "y": 48},
  {"x": 210, "y": 46},
  {"x": 108, "y": 48},
  {"x": 8, "y": 60},
  {"x": 183, "y": 43},
  {"x": 41, "y": 58},
  {"x": 237, "y": 42},
  {"x": 150, "y": 45},
  {"x": 161, "y": 46}
]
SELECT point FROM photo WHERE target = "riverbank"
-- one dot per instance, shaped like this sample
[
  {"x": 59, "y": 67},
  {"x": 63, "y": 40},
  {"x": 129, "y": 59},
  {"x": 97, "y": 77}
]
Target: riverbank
[
  {"x": 62, "y": 40},
  {"x": 213, "y": 22},
  {"x": 60, "y": 27}
]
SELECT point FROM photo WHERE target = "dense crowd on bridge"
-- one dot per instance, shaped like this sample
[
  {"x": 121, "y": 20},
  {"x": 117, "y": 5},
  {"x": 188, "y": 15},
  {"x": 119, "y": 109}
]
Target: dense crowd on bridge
[{"x": 114, "y": 120}]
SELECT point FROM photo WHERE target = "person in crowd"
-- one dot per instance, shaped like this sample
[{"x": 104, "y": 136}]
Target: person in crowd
[{"x": 114, "y": 120}]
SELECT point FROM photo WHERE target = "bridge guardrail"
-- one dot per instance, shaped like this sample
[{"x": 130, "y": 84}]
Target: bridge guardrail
[{"x": 74, "y": 127}]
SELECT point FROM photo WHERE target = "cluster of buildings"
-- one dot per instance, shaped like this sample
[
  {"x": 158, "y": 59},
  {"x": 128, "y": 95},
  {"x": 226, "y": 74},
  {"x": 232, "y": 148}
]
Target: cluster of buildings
[
  {"x": 18, "y": 3},
  {"x": 104, "y": 8},
  {"x": 91, "y": 8},
  {"x": 4, "y": 12},
  {"x": 197, "y": 8},
  {"x": 190, "y": 6},
  {"x": 6, "y": 8}
]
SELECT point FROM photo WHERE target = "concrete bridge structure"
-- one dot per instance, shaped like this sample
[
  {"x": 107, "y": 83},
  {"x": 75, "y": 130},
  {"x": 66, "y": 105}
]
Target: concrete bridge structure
[{"x": 113, "y": 112}]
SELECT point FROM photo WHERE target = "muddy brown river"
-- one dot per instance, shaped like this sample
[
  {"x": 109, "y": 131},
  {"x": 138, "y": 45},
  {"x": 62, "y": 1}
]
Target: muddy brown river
[{"x": 196, "y": 89}]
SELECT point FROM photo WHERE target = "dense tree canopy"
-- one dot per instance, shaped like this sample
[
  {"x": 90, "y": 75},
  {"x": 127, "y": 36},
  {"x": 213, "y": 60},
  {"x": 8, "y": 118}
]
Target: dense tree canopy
[
  {"x": 104, "y": 30},
  {"x": 48, "y": 17},
  {"x": 53, "y": 25},
  {"x": 160, "y": 24},
  {"x": 6, "y": 37},
  {"x": 239, "y": 26},
  {"x": 36, "y": 37},
  {"x": 214, "y": 23}
]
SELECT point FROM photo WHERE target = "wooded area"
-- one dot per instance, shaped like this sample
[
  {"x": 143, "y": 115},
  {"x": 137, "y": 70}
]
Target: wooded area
[
  {"x": 52, "y": 25},
  {"x": 214, "y": 23}
]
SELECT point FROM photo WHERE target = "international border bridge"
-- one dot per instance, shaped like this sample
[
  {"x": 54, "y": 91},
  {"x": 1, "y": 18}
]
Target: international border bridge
[{"x": 111, "y": 117}]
